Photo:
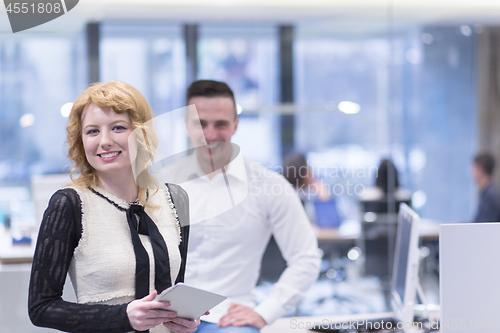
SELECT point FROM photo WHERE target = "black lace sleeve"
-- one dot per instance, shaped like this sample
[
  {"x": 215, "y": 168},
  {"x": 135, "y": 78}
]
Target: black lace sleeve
[
  {"x": 59, "y": 234},
  {"x": 180, "y": 199}
]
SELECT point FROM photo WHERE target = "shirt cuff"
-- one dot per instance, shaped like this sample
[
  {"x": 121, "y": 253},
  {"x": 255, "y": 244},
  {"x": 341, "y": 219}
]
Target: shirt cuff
[{"x": 270, "y": 310}]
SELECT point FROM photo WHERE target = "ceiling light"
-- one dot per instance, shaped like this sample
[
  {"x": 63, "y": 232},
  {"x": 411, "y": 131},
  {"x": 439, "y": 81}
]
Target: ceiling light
[
  {"x": 27, "y": 120},
  {"x": 349, "y": 107},
  {"x": 66, "y": 109}
]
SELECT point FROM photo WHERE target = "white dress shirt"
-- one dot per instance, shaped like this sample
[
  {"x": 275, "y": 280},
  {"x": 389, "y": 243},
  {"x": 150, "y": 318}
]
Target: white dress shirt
[{"x": 233, "y": 215}]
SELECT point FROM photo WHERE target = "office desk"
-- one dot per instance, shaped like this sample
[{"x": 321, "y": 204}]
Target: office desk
[
  {"x": 14, "y": 282},
  {"x": 337, "y": 242},
  {"x": 15, "y": 254},
  {"x": 333, "y": 235},
  {"x": 429, "y": 230}
]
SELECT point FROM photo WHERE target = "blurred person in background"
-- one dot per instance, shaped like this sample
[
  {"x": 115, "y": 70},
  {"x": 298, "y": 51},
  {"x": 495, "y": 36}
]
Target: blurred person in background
[
  {"x": 315, "y": 196},
  {"x": 488, "y": 209},
  {"x": 387, "y": 188},
  {"x": 299, "y": 174},
  {"x": 379, "y": 233}
]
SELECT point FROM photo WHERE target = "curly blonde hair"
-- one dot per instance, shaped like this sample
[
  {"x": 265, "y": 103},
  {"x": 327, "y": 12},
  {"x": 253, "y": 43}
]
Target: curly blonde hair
[{"x": 121, "y": 97}]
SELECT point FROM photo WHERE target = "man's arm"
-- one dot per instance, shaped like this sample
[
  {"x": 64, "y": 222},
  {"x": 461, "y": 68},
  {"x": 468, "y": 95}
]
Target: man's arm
[
  {"x": 298, "y": 245},
  {"x": 242, "y": 315}
]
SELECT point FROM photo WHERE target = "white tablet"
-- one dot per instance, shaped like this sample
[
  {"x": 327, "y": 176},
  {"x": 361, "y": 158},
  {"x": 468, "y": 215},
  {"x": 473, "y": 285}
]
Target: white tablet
[{"x": 189, "y": 302}]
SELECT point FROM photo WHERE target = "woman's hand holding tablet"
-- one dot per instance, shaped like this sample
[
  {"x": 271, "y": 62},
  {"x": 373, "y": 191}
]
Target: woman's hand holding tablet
[{"x": 189, "y": 302}]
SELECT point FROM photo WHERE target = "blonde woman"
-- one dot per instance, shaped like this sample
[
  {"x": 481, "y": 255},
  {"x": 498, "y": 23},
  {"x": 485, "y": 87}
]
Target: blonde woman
[{"x": 120, "y": 243}]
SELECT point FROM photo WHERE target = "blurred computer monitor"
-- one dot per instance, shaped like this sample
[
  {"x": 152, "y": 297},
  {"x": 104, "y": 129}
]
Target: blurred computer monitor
[
  {"x": 405, "y": 268},
  {"x": 404, "y": 280},
  {"x": 326, "y": 214}
]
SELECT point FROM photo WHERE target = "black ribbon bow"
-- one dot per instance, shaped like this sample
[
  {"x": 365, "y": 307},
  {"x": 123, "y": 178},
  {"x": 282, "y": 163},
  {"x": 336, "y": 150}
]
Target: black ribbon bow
[{"x": 139, "y": 222}]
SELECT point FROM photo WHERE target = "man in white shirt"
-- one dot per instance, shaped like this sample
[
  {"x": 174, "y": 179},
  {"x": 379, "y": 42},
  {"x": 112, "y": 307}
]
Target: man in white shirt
[{"x": 235, "y": 207}]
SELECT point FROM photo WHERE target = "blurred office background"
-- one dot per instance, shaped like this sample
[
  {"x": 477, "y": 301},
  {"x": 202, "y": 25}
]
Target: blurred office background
[
  {"x": 348, "y": 83},
  {"x": 414, "y": 80}
]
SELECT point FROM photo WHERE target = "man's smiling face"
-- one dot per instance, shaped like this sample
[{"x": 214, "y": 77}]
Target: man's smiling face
[{"x": 216, "y": 115}]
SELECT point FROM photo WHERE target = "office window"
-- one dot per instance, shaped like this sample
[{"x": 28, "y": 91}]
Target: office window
[
  {"x": 445, "y": 129},
  {"x": 246, "y": 58},
  {"x": 148, "y": 56},
  {"x": 416, "y": 97},
  {"x": 152, "y": 58},
  {"x": 39, "y": 75}
]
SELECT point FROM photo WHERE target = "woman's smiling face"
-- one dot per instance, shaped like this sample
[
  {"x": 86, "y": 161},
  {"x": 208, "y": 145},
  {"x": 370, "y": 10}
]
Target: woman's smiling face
[{"x": 105, "y": 136}]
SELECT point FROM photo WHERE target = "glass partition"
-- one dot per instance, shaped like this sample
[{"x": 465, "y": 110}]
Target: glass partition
[
  {"x": 246, "y": 58},
  {"x": 408, "y": 96},
  {"x": 149, "y": 56},
  {"x": 40, "y": 73}
]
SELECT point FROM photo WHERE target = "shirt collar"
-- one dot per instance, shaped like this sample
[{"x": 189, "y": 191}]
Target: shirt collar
[
  {"x": 193, "y": 168},
  {"x": 235, "y": 168}
]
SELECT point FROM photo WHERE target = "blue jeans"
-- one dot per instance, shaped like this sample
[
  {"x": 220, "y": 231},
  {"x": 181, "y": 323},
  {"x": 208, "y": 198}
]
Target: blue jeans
[{"x": 206, "y": 327}]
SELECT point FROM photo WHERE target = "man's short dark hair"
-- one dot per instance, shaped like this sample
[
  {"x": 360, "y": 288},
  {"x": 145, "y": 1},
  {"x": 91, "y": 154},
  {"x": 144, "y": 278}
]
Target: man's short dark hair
[
  {"x": 486, "y": 161},
  {"x": 210, "y": 88}
]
